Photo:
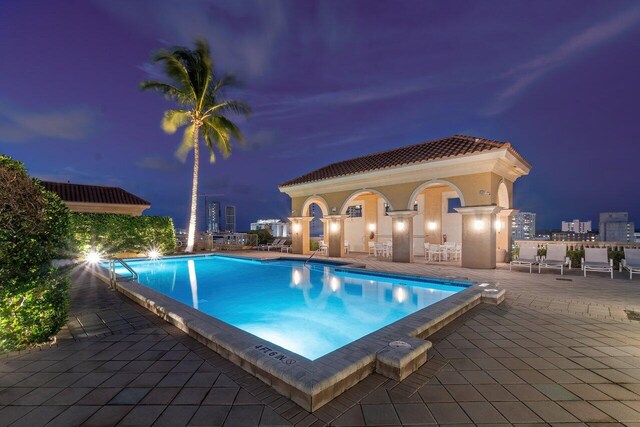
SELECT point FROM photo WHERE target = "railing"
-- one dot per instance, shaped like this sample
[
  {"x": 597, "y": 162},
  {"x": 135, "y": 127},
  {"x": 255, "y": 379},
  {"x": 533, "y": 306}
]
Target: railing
[
  {"x": 113, "y": 277},
  {"x": 576, "y": 245}
]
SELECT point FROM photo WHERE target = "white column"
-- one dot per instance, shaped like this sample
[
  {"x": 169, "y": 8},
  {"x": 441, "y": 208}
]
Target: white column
[{"x": 479, "y": 236}]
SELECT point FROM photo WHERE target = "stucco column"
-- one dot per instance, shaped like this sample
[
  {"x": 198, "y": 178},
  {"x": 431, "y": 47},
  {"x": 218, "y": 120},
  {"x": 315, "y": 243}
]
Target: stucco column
[
  {"x": 504, "y": 239},
  {"x": 479, "y": 236},
  {"x": 335, "y": 227},
  {"x": 402, "y": 235},
  {"x": 300, "y": 234}
]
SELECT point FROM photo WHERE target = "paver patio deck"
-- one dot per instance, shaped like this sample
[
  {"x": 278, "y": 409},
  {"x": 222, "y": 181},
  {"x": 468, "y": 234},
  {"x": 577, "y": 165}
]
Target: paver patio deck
[{"x": 554, "y": 352}]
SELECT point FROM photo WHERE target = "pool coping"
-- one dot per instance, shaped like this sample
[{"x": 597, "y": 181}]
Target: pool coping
[{"x": 311, "y": 384}]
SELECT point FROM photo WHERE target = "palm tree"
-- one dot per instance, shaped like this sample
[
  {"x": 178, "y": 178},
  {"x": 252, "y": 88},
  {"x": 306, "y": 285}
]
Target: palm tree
[{"x": 200, "y": 94}]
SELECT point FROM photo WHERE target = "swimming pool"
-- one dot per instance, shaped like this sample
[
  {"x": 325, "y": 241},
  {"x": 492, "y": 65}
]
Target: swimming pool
[{"x": 310, "y": 310}]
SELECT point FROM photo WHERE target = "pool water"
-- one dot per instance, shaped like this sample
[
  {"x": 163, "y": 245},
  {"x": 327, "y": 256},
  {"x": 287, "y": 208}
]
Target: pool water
[{"x": 310, "y": 310}]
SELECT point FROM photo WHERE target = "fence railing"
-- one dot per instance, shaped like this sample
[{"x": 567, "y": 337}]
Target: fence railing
[{"x": 576, "y": 245}]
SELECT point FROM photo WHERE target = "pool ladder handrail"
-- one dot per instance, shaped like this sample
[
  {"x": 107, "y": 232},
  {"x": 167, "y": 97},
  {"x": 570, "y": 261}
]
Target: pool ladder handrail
[
  {"x": 309, "y": 259},
  {"x": 113, "y": 277}
]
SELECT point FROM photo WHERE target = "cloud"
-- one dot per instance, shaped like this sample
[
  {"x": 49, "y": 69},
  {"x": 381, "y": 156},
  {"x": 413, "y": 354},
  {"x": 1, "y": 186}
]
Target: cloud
[
  {"x": 525, "y": 74},
  {"x": 159, "y": 164},
  {"x": 17, "y": 125},
  {"x": 250, "y": 52}
]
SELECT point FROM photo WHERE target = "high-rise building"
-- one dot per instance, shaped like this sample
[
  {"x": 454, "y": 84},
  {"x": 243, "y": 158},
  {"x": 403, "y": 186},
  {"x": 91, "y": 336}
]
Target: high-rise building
[
  {"x": 523, "y": 226},
  {"x": 316, "y": 227},
  {"x": 576, "y": 226},
  {"x": 230, "y": 218},
  {"x": 571, "y": 236},
  {"x": 277, "y": 227},
  {"x": 615, "y": 227},
  {"x": 213, "y": 216}
]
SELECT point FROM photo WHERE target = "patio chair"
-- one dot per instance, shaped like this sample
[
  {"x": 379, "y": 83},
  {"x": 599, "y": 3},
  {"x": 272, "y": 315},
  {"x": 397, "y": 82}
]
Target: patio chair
[
  {"x": 631, "y": 261},
  {"x": 275, "y": 244},
  {"x": 556, "y": 258},
  {"x": 432, "y": 251},
  {"x": 346, "y": 246},
  {"x": 597, "y": 259},
  {"x": 285, "y": 247},
  {"x": 323, "y": 247},
  {"x": 528, "y": 255},
  {"x": 457, "y": 254},
  {"x": 372, "y": 248}
]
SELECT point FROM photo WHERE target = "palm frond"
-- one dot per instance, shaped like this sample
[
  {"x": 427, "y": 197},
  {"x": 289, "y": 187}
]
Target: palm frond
[
  {"x": 217, "y": 138},
  {"x": 187, "y": 143},
  {"x": 173, "y": 119},
  {"x": 169, "y": 91},
  {"x": 235, "y": 107},
  {"x": 175, "y": 69}
]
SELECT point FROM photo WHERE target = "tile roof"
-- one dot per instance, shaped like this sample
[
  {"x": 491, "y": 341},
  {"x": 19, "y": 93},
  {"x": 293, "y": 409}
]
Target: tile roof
[
  {"x": 93, "y": 194},
  {"x": 453, "y": 146}
]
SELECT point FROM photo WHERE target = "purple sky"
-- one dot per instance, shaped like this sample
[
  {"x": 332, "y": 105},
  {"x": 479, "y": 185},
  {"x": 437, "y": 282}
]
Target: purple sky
[{"x": 328, "y": 81}]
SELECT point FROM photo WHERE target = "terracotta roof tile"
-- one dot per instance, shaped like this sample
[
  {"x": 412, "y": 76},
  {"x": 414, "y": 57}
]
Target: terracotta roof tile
[
  {"x": 453, "y": 146},
  {"x": 93, "y": 194}
]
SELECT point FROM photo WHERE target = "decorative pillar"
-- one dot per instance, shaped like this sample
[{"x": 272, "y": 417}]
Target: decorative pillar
[
  {"x": 300, "y": 234},
  {"x": 479, "y": 236},
  {"x": 335, "y": 227},
  {"x": 504, "y": 237},
  {"x": 402, "y": 235}
]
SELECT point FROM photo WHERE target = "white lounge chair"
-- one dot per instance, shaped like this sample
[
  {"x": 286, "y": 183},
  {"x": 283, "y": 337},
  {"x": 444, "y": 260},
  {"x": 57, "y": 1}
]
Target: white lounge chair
[
  {"x": 528, "y": 255},
  {"x": 276, "y": 244},
  {"x": 631, "y": 261},
  {"x": 323, "y": 247},
  {"x": 597, "y": 259},
  {"x": 556, "y": 258}
]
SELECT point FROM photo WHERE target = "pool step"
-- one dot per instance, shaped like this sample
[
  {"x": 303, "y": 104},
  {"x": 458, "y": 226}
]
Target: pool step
[{"x": 402, "y": 357}]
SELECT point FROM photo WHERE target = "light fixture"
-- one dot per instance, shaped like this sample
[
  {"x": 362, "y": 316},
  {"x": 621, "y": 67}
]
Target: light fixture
[
  {"x": 400, "y": 226},
  {"x": 296, "y": 227},
  {"x": 478, "y": 224},
  {"x": 335, "y": 227},
  {"x": 372, "y": 227},
  {"x": 93, "y": 257},
  {"x": 153, "y": 253},
  {"x": 432, "y": 225},
  {"x": 498, "y": 225}
]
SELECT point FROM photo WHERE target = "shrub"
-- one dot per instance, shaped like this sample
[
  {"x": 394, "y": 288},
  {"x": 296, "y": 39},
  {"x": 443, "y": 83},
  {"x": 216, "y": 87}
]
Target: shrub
[
  {"x": 264, "y": 236},
  {"x": 113, "y": 233},
  {"x": 313, "y": 246},
  {"x": 33, "y": 232}
]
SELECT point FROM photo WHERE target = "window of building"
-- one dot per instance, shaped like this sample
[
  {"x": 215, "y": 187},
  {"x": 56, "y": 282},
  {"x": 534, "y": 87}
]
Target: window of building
[
  {"x": 354, "y": 211},
  {"x": 452, "y": 204}
]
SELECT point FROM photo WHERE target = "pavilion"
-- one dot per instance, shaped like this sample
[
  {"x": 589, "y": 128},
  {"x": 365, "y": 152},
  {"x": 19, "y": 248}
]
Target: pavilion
[{"x": 455, "y": 189}]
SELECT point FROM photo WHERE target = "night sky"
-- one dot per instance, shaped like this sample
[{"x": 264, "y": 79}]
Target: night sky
[{"x": 328, "y": 81}]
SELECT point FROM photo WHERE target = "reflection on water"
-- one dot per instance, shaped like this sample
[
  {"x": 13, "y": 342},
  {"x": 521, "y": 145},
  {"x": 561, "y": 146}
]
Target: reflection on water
[{"x": 310, "y": 310}]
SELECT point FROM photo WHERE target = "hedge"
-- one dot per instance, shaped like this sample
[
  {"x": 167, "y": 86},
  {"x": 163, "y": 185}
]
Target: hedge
[
  {"x": 113, "y": 233},
  {"x": 34, "y": 230}
]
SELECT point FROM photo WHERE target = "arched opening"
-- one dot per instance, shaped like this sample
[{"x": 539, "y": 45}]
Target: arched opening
[
  {"x": 503, "y": 224},
  {"x": 436, "y": 220},
  {"x": 503, "y": 196},
  {"x": 316, "y": 208},
  {"x": 366, "y": 220}
]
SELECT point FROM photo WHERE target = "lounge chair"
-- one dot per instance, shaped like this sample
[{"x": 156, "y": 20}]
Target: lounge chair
[
  {"x": 528, "y": 255},
  {"x": 285, "y": 247},
  {"x": 556, "y": 258},
  {"x": 597, "y": 259},
  {"x": 631, "y": 261},
  {"x": 276, "y": 244}
]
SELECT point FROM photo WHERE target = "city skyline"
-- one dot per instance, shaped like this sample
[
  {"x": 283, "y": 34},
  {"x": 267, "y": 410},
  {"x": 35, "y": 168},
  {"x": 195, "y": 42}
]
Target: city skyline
[{"x": 555, "y": 78}]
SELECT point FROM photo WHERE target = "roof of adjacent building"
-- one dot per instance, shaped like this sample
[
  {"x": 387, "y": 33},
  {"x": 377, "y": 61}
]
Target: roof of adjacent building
[
  {"x": 453, "y": 146},
  {"x": 83, "y": 193}
]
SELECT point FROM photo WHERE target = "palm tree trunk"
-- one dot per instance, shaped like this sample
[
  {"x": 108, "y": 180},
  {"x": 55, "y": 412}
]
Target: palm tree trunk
[{"x": 194, "y": 191}]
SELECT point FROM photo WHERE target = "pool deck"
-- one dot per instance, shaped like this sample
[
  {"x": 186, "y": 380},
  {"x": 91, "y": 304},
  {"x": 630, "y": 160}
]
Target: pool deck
[{"x": 554, "y": 352}]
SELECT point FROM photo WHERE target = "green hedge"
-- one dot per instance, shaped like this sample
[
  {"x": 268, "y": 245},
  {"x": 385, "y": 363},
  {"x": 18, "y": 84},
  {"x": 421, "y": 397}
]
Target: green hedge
[
  {"x": 34, "y": 231},
  {"x": 113, "y": 233}
]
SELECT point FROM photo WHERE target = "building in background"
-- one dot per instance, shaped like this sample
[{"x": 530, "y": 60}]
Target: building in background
[
  {"x": 213, "y": 216},
  {"x": 636, "y": 236},
  {"x": 230, "y": 219},
  {"x": 576, "y": 226},
  {"x": 316, "y": 227},
  {"x": 524, "y": 226},
  {"x": 616, "y": 227},
  {"x": 277, "y": 227},
  {"x": 571, "y": 236}
]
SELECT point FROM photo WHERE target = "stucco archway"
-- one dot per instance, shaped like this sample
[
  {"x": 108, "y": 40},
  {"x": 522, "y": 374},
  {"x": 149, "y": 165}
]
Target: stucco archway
[{"x": 367, "y": 219}]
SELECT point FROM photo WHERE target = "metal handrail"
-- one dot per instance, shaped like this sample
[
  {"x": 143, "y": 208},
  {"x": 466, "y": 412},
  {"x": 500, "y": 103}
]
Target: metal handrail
[{"x": 112, "y": 270}]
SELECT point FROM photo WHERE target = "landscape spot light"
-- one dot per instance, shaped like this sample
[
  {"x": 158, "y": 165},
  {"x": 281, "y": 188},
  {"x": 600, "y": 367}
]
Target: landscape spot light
[
  {"x": 93, "y": 257},
  {"x": 153, "y": 254}
]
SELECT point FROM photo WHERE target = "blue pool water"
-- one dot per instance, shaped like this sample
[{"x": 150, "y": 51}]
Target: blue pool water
[{"x": 310, "y": 310}]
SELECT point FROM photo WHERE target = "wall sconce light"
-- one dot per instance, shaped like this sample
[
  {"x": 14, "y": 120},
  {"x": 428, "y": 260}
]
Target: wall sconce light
[
  {"x": 372, "y": 227},
  {"x": 432, "y": 225},
  {"x": 400, "y": 226},
  {"x": 498, "y": 225},
  {"x": 335, "y": 227},
  {"x": 334, "y": 209},
  {"x": 478, "y": 224},
  {"x": 296, "y": 227}
]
